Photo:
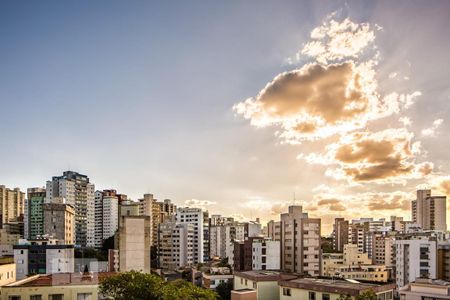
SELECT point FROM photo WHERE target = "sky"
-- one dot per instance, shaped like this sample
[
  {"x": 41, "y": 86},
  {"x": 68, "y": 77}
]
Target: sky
[{"x": 239, "y": 107}]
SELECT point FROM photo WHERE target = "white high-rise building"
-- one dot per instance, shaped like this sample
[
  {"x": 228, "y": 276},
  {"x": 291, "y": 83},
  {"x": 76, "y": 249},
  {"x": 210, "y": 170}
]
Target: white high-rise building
[
  {"x": 79, "y": 193},
  {"x": 199, "y": 219},
  {"x": 429, "y": 212},
  {"x": 106, "y": 215},
  {"x": 416, "y": 257}
]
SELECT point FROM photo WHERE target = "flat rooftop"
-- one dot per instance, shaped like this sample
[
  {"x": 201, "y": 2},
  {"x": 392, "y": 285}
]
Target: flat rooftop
[
  {"x": 61, "y": 279},
  {"x": 265, "y": 275},
  {"x": 335, "y": 286}
]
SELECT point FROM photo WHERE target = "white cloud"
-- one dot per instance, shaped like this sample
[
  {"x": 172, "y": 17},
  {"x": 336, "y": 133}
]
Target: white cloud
[{"x": 431, "y": 131}]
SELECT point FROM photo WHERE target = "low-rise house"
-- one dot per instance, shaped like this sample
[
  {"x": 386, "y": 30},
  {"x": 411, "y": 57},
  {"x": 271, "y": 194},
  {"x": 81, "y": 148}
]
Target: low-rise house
[
  {"x": 328, "y": 289},
  {"x": 265, "y": 283},
  {"x": 7, "y": 273},
  {"x": 63, "y": 286},
  {"x": 425, "y": 289}
]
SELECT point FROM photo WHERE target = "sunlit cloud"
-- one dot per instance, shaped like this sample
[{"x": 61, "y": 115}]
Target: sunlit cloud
[
  {"x": 335, "y": 40},
  {"x": 322, "y": 99},
  {"x": 199, "y": 203},
  {"x": 385, "y": 157}
]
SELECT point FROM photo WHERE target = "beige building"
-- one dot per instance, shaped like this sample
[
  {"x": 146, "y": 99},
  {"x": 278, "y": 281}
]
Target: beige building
[
  {"x": 76, "y": 286},
  {"x": 11, "y": 204},
  {"x": 327, "y": 289},
  {"x": 444, "y": 261},
  {"x": 426, "y": 289},
  {"x": 59, "y": 222},
  {"x": 7, "y": 273},
  {"x": 7, "y": 241},
  {"x": 429, "y": 212},
  {"x": 300, "y": 242},
  {"x": 134, "y": 243},
  {"x": 265, "y": 283},
  {"x": 351, "y": 264}
]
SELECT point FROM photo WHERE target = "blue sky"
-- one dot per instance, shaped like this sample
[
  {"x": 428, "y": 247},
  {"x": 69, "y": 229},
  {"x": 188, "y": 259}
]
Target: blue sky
[{"x": 139, "y": 95}]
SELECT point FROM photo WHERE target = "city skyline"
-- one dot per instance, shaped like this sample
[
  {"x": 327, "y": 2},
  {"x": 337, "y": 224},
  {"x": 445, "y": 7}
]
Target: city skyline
[{"x": 149, "y": 101}]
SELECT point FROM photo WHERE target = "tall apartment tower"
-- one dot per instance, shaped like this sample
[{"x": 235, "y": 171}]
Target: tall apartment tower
[
  {"x": 340, "y": 234},
  {"x": 11, "y": 204},
  {"x": 300, "y": 242},
  {"x": 200, "y": 220},
  {"x": 34, "y": 213},
  {"x": 79, "y": 193},
  {"x": 106, "y": 215},
  {"x": 430, "y": 212},
  {"x": 59, "y": 221}
]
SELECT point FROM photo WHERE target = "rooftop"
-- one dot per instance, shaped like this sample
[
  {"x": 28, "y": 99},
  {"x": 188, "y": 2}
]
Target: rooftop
[
  {"x": 335, "y": 286},
  {"x": 264, "y": 275},
  {"x": 61, "y": 279}
]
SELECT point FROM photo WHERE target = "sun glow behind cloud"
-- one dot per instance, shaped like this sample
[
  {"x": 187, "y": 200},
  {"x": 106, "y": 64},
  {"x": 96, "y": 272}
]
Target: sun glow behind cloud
[{"x": 336, "y": 96}]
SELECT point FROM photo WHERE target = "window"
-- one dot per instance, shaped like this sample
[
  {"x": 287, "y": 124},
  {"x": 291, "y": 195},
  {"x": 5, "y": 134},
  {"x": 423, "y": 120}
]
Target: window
[
  {"x": 255, "y": 285},
  {"x": 325, "y": 296},
  {"x": 84, "y": 296},
  {"x": 36, "y": 297},
  {"x": 14, "y": 298},
  {"x": 56, "y": 297},
  {"x": 312, "y": 296},
  {"x": 286, "y": 292}
]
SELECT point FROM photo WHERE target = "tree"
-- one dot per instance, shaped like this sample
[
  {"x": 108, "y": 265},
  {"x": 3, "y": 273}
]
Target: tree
[
  {"x": 183, "y": 290},
  {"x": 132, "y": 286},
  {"x": 224, "y": 289},
  {"x": 344, "y": 297},
  {"x": 141, "y": 286},
  {"x": 367, "y": 295}
]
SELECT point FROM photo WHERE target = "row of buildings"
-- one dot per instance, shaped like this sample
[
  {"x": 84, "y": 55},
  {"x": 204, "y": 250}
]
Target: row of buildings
[{"x": 42, "y": 230}]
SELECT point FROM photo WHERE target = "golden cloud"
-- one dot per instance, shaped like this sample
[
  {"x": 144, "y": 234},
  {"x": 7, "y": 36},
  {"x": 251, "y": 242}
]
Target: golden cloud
[
  {"x": 335, "y": 40},
  {"x": 333, "y": 204}
]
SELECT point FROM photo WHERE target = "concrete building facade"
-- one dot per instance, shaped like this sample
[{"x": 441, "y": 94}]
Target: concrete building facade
[
  {"x": 11, "y": 204},
  {"x": 59, "y": 221},
  {"x": 134, "y": 243}
]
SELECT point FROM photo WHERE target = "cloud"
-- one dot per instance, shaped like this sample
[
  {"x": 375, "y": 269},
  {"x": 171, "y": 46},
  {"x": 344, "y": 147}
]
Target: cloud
[
  {"x": 392, "y": 75},
  {"x": 405, "y": 121},
  {"x": 333, "y": 204},
  {"x": 335, "y": 94},
  {"x": 384, "y": 156},
  {"x": 335, "y": 40},
  {"x": 199, "y": 203},
  {"x": 386, "y": 204},
  {"x": 319, "y": 101},
  {"x": 431, "y": 131},
  {"x": 372, "y": 201}
]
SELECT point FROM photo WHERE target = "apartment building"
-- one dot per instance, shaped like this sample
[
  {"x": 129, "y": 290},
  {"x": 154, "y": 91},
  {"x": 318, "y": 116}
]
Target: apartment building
[
  {"x": 80, "y": 194},
  {"x": 300, "y": 242},
  {"x": 175, "y": 245},
  {"x": 340, "y": 234},
  {"x": 59, "y": 221},
  {"x": 416, "y": 257},
  {"x": 429, "y": 212},
  {"x": 200, "y": 221},
  {"x": 106, "y": 214},
  {"x": 11, "y": 204},
  {"x": 34, "y": 213},
  {"x": 42, "y": 256}
]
